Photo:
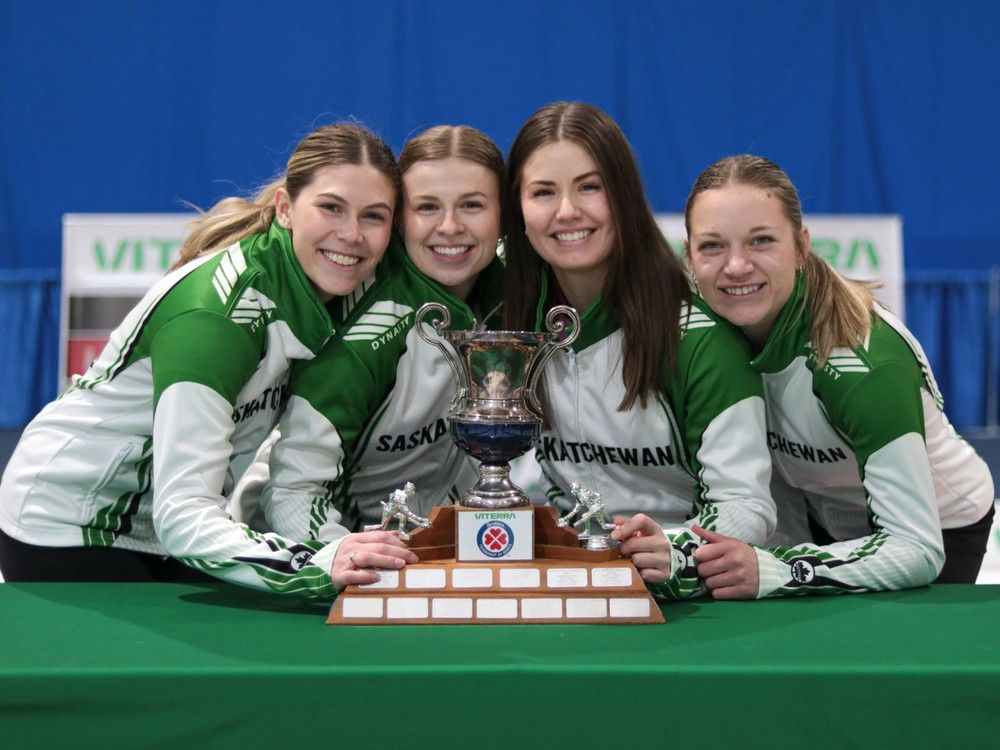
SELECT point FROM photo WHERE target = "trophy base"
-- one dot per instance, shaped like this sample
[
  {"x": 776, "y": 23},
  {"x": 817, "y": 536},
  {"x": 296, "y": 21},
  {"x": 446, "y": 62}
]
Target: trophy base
[
  {"x": 564, "y": 583},
  {"x": 494, "y": 490}
]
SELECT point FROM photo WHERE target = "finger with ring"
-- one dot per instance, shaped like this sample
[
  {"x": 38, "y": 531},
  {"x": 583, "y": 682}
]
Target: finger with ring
[{"x": 351, "y": 558}]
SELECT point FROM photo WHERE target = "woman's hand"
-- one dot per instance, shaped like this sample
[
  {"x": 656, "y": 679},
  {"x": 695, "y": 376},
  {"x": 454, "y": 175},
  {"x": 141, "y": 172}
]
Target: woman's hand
[
  {"x": 358, "y": 555},
  {"x": 643, "y": 541},
  {"x": 727, "y": 566}
]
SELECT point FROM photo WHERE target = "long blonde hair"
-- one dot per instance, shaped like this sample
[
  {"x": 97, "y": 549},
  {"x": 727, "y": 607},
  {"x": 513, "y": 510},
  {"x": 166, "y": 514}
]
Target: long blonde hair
[
  {"x": 234, "y": 218},
  {"x": 839, "y": 308}
]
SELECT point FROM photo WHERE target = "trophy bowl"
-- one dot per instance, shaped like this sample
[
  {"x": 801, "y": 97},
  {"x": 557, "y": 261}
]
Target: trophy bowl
[{"x": 496, "y": 415}]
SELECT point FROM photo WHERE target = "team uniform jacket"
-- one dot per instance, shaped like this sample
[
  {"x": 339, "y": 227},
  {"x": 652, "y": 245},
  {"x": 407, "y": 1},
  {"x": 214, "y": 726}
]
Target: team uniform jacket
[
  {"x": 140, "y": 450},
  {"x": 369, "y": 413},
  {"x": 697, "y": 455},
  {"x": 865, "y": 440}
]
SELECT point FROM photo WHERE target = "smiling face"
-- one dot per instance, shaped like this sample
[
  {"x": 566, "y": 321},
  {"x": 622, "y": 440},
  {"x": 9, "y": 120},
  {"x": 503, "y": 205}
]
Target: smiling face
[
  {"x": 340, "y": 224},
  {"x": 744, "y": 252},
  {"x": 451, "y": 220},
  {"x": 567, "y": 217}
]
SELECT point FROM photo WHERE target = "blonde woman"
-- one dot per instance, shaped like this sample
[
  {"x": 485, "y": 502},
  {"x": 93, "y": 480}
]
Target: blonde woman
[
  {"x": 345, "y": 447},
  {"x": 855, "y": 421},
  {"x": 131, "y": 464}
]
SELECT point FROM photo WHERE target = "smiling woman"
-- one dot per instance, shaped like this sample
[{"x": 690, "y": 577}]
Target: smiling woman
[
  {"x": 451, "y": 219},
  {"x": 133, "y": 462},
  {"x": 857, "y": 429},
  {"x": 340, "y": 225},
  {"x": 655, "y": 406}
]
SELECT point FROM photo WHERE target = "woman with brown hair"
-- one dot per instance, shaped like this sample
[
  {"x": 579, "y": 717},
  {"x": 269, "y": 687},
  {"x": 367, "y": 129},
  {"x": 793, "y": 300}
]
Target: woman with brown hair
[
  {"x": 133, "y": 462},
  {"x": 654, "y": 406},
  {"x": 855, "y": 421}
]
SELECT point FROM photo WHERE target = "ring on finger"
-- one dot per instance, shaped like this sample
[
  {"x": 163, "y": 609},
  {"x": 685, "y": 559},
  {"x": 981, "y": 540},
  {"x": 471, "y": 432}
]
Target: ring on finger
[{"x": 351, "y": 558}]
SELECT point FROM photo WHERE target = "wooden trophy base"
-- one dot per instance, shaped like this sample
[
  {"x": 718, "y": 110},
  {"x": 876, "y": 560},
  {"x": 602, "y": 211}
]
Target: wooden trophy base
[{"x": 564, "y": 583}]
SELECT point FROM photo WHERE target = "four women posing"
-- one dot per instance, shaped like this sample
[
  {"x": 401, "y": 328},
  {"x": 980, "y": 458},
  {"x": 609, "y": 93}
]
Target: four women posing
[{"x": 659, "y": 405}]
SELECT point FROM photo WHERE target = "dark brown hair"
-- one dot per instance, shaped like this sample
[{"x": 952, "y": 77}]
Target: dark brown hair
[{"x": 646, "y": 284}]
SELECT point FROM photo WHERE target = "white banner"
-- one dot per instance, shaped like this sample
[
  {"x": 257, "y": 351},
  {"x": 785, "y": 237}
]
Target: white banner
[
  {"x": 110, "y": 260},
  {"x": 869, "y": 248},
  {"x": 108, "y": 263}
]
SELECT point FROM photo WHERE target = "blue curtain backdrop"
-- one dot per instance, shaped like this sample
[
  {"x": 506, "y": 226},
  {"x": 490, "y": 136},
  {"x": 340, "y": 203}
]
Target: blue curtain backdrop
[{"x": 887, "y": 107}]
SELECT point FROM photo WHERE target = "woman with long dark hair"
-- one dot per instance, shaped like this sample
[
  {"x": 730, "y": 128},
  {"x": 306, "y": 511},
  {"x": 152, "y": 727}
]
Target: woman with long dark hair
[{"x": 654, "y": 406}]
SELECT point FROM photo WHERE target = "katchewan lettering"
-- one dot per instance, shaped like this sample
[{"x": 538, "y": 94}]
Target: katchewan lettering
[{"x": 553, "y": 449}]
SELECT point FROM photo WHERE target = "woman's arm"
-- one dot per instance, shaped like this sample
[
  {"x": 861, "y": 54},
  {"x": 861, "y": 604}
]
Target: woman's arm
[
  {"x": 881, "y": 417},
  {"x": 201, "y": 361}
]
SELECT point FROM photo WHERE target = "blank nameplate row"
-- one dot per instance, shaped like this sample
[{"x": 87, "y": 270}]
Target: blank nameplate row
[
  {"x": 424, "y": 578},
  {"x": 441, "y": 609}
]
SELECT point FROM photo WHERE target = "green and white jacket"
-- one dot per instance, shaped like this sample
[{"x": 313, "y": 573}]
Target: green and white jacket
[
  {"x": 369, "y": 413},
  {"x": 140, "y": 451},
  {"x": 697, "y": 455},
  {"x": 865, "y": 440}
]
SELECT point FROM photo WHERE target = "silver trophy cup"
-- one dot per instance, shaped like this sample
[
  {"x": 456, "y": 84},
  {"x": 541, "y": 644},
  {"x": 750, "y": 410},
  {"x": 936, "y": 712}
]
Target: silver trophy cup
[{"x": 496, "y": 414}]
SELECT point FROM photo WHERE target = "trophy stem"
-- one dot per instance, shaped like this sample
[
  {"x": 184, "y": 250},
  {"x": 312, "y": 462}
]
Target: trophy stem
[{"x": 494, "y": 490}]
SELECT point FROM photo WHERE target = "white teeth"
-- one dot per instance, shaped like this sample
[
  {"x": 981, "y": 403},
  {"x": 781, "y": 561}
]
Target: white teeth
[
  {"x": 341, "y": 260},
  {"x": 572, "y": 236},
  {"x": 742, "y": 291},
  {"x": 450, "y": 250}
]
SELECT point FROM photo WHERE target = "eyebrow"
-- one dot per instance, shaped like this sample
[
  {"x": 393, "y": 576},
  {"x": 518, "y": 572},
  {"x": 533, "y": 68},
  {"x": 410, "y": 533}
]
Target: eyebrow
[
  {"x": 584, "y": 176},
  {"x": 431, "y": 197},
  {"x": 758, "y": 228},
  {"x": 347, "y": 202}
]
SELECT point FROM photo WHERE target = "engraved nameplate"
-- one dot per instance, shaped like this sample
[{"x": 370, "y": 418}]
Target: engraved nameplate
[
  {"x": 472, "y": 578},
  {"x": 619, "y": 577},
  {"x": 564, "y": 578},
  {"x": 520, "y": 578},
  {"x": 389, "y": 579}
]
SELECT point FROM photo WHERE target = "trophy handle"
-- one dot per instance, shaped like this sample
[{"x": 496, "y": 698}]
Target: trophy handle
[
  {"x": 554, "y": 325},
  {"x": 439, "y": 326}
]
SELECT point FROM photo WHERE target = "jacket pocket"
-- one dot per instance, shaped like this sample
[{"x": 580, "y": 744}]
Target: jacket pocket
[{"x": 90, "y": 500}]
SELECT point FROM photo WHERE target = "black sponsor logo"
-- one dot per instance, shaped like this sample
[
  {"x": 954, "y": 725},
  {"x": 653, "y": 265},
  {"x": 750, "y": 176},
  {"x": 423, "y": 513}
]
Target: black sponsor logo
[{"x": 802, "y": 571}]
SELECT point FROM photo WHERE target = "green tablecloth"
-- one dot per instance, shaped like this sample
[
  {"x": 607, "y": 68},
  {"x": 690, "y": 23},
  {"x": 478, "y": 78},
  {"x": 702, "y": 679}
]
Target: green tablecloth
[{"x": 120, "y": 665}]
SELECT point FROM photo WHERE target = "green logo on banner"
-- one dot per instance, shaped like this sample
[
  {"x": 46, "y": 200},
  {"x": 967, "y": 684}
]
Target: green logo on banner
[
  {"x": 846, "y": 258},
  {"x": 136, "y": 256}
]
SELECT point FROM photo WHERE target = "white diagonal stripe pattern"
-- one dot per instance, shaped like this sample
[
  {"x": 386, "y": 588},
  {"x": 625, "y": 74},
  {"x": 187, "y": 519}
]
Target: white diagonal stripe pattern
[
  {"x": 380, "y": 318},
  {"x": 231, "y": 265}
]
